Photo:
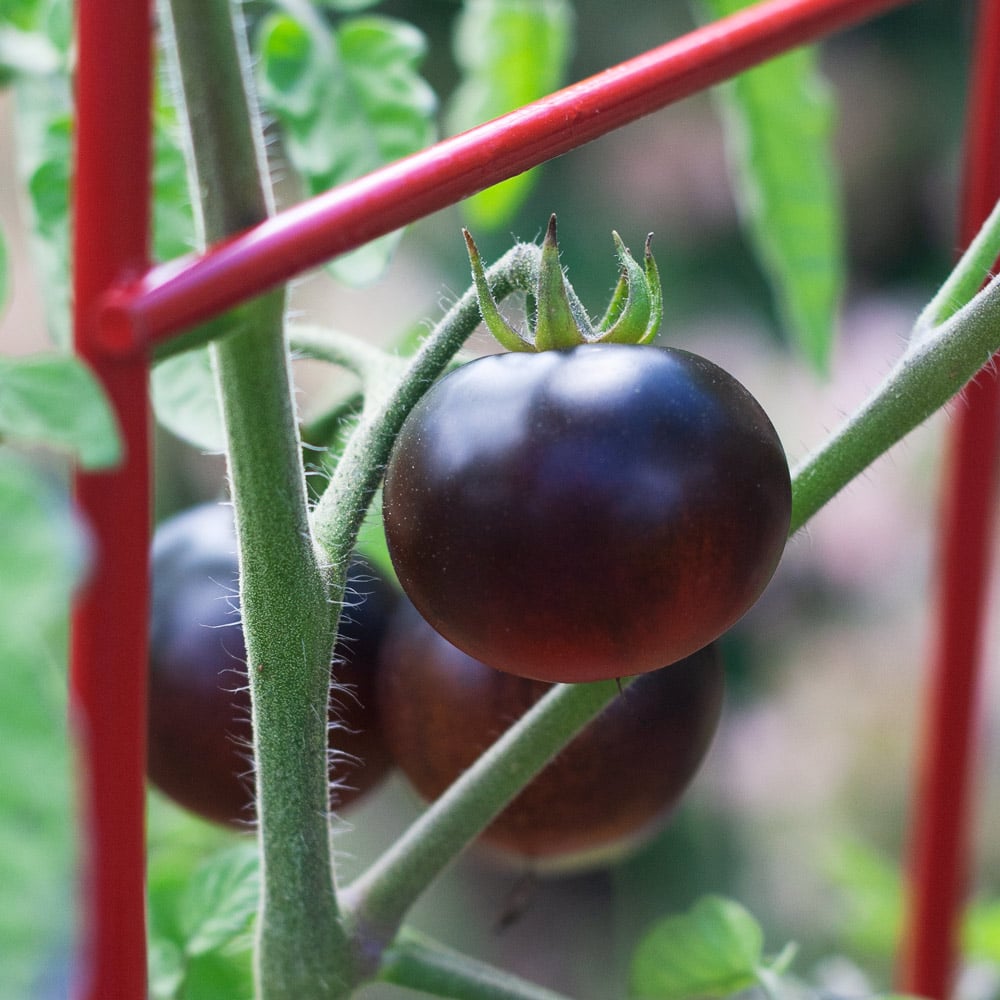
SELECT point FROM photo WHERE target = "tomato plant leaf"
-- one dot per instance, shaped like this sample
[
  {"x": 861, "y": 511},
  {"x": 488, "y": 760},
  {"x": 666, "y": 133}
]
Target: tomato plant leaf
[
  {"x": 44, "y": 127},
  {"x": 349, "y": 99},
  {"x": 186, "y": 400},
  {"x": 166, "y": 969},
  {"x": 41, "y": 560},
  {"x": 779, "y": 120},
  {"x": 221, "y": 900},
  {"x": 44, "y": 155},
  {"x": 347, "y": 5},
  {"x": 23, "y": 52},
  {"x": 713, "y": 950},
  {"x": 510, "y": 52},
  {"x": 53, "y": 399}
]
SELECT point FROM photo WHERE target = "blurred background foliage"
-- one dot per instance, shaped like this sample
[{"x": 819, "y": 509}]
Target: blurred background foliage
[{"x": 801, "y": 808}]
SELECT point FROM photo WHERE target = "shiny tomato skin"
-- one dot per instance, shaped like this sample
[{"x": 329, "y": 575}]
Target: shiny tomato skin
[
  {"x": 608, "y": 790},
  {"x": 584, "y": 514},
  {"x": 199, "y": 729}
]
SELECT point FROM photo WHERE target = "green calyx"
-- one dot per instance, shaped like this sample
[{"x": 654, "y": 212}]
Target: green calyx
[{"x": 556, "y": 317}]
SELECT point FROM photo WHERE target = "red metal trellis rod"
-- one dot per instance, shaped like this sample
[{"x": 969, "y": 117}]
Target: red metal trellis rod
[
  {"x": 182, "y": 293},
  {"x": 121, "y": 308},
  {"x": 942, "y": 812},
  {"x": 108, "y": 645}
]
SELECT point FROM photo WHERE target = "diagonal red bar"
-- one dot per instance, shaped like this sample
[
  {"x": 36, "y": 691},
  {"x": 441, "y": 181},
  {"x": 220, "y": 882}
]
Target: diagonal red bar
[
  {"x": 940, "y": 837},
  {"x": 182, "y": 293},
  {"x": 108, "y": 640}
]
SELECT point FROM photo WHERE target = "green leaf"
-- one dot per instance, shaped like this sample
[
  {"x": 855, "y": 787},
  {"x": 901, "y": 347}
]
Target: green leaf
[
  {"x": 349, "y": 100},
  {"x": 221, "y": 900},
  {"x": 347, "y": 5},
  {"x": 42, "y": 557},
  {"x": 173, "y": 220},
  {"x": 779, "y": 120},
  {"x": 217, "y": 976},
  {"x": 871, "y": 891},
  {"x": 53, "y": 399},
  {"x": 510, "y": 52},
  {"x": 186, "y": 400},
  {"x": 166, "y": 970},
  {"x": 25, "y": 52},
  {"x": 713, "y": 950},
  {"x": 44, "y": 128}
]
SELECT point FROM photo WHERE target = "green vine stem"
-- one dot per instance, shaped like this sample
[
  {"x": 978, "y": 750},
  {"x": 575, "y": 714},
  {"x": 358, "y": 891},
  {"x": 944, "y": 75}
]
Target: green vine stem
[
  {"x": 415, "y": 961},
  {"x": 390, "y": 394},
  {"x": 937, "y": 364},
  {"x": 285, "y": 591},
  {"x": 378, "y": 900},
  {"x": 933, "y": 369},
  {"x": 965, "y": 279}
]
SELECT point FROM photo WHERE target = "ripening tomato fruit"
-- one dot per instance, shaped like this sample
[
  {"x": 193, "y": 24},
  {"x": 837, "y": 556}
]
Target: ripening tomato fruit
[
  {"x": 199, "y": 704},
  {"x": 610, "y": 787},
  {"x": 589, "y": 513}
]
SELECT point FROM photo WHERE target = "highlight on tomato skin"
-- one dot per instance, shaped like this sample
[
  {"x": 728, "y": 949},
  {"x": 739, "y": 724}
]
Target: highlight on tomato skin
[
  {"x": 199, "y": 729},
  {"x": 588, "y": 513},
  {"x": 613, "y": 787}
]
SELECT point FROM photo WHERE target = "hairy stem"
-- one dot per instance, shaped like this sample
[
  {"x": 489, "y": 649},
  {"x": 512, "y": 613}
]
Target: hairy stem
[
  {"x": 390, "y": 394},
  {"x": 934, "y": 368},
  {"x": 379, "y": 899},
  {"x": 302, "y": 949},
  {"x": 937, "y": 364},
  {"x": 415, "y": 961}
]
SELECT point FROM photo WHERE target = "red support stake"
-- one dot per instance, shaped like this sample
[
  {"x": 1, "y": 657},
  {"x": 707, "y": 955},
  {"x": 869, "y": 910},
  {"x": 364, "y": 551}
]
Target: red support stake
[
  {"x": 184, "y": 292},
  {"x": 940, "y": 837},
  {"x": 108, "y": 643}
]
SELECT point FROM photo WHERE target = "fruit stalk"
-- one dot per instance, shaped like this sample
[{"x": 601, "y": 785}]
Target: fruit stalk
[
  {"x": 288, "y": 596},
  {"x": 379, "y": 899},
  {"x": 107, "y": 684}
]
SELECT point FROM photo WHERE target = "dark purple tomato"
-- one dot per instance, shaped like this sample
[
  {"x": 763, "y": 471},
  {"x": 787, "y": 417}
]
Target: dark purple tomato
[
  {"x": 199, "y": 703},
  {"x": 611, "y": 786},
  {"x": 586, "y": 514}
]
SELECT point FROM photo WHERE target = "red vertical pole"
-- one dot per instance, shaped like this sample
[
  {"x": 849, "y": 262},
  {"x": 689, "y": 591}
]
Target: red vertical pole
[
  {"x": 940, "y": 838},
  {"x": 111, "y": 200}
]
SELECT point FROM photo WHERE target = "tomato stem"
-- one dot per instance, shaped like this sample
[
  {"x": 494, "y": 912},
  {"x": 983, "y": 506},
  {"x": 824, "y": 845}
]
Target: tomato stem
[
  {"x": 286, "y": 592},
  {"x": 338, "y": 515},
  {"x": 933, "y": 369},
  {"x": 417, "y": 962},
  {"x": 380, "y": 898}
]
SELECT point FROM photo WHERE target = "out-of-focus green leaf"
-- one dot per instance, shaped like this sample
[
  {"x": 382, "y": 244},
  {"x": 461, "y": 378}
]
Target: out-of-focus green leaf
[
  {"x": 221, "y": 900},
  {"x": 45, "y": 154},
  {"x": 44, "y": 132},
  {"x": 779, "y": 121},
  {"x": 186, "y": 400},
  {"x": 21, "y": 14},
  {"x": 349, "y": 100},
  {"x": 53, "y": 399},
  {"x": 24, "y": 52},
  {"x": 201, "y": 913},
  {"x": 871, "y": 897},
  {"x": 42, "y": 558},
  {"x": 347, "y": 6},
  {"x": 713, "y": 950},
  {"x": 510, "y": 52},
  {"x": 173, "y": 220}
]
